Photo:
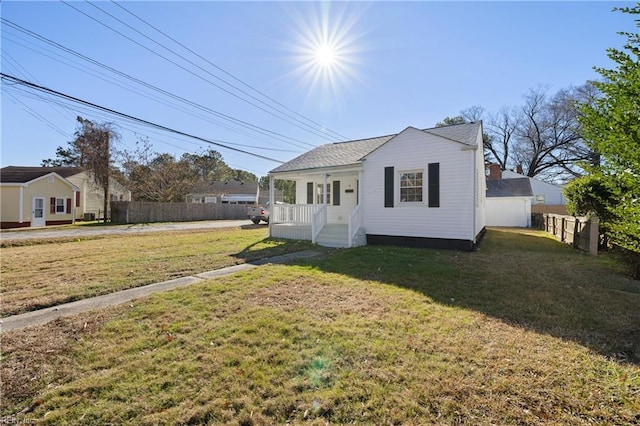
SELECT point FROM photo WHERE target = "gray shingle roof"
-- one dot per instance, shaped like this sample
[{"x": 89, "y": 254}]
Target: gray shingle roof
[
  {"x": 519, "y": 187},
  {"x": 19, "y": 174},
  {"x": 352, "y": 152}
]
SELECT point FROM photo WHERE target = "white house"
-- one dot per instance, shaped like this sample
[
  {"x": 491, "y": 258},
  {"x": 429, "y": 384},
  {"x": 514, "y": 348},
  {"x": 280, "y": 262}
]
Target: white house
[
  {"x": 418, "y": 188},
  {"x": 227, "y": 192},
  {"x": 543, "y": 192}
]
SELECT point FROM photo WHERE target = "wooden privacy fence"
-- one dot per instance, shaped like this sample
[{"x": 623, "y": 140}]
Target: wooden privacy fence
[
  {"x": 580, "y": 232},
  {"x": 147, "y": 212}
]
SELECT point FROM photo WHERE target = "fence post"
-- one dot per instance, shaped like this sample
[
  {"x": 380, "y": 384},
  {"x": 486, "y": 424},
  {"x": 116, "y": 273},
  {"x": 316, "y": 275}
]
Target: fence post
[
  {"x": 594, "y": 235},
  {"x": 576, "y": 235}
]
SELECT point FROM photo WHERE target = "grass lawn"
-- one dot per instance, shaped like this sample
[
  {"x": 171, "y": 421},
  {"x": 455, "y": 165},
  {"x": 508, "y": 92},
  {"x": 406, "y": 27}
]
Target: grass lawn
[
  {"x": 523, "y": 331},
  {"x": 50, "y": 273}
]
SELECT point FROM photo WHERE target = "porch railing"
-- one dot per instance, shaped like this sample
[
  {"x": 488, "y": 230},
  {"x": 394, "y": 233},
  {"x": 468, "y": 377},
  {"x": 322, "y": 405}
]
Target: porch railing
[
  {"x": 294, "y": 213},
  {"x": 355, "y": 223},
  {"x": 318, "y": 221}
]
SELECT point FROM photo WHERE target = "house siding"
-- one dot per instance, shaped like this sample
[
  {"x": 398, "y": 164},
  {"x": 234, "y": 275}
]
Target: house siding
[
  {"x": 92, "y": 196},
  {"x": 348, "y": 200},
  {"x": 9, "y": 199},
  {"x": 414, "y": 150},
  {"x": 47, "y": 187}
]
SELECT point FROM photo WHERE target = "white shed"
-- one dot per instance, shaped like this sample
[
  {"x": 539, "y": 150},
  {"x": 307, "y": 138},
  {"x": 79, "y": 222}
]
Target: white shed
[{"x": 508, "y": 202}]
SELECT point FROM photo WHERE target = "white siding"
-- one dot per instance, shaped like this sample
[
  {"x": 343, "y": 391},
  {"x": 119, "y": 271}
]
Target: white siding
[
  {"x": 335, "y": 214},
  {"x": 92, "y": 196},
  {"x": 509, "y": 211},
  {"x": 411, "y": 150},
  {"x": 481, "y": 187}
]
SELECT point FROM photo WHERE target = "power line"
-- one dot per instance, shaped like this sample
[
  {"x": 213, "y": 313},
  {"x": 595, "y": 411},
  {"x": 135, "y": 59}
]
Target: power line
[
  {"x": 130, "y": 117},
  {"x": 253, "y": 127},
  {"x": 229, "y": 74},
  {"x": 184, "y": 68}
]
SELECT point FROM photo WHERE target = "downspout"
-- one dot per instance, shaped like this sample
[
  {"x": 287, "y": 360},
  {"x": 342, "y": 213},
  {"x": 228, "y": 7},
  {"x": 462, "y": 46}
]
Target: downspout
[
  {"x": 475, "y": 188},
  {"x": 21, "y": 205}
]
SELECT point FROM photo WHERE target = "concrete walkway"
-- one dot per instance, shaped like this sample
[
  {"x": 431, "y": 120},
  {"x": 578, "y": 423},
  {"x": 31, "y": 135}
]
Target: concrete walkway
[{"x": 43, "y": 316}]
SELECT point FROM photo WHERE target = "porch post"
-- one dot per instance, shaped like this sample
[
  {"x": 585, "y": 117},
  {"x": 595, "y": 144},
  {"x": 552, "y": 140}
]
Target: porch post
[
  {"x": 271, "y": 201},
  {"x": 324, "y": 188},
  {"x": 359, "y": 188}
]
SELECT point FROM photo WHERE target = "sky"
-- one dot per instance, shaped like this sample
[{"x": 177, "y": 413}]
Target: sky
[{"x": 275, "y": 79}]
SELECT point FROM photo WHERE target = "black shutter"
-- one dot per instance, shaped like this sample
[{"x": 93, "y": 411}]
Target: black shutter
[
  {"x": 309, "y": 192},
  {"x": 388, "y": 186},
  {"x": 434, "y": 184},
  {"x": 336, "y": 192}
]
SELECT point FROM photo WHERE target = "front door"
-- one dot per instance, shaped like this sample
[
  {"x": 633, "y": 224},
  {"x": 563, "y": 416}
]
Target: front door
[{"x": 37, "y": 214}]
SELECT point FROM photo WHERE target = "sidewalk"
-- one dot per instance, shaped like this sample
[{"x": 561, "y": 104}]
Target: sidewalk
[{"x": 43, "y": 316}]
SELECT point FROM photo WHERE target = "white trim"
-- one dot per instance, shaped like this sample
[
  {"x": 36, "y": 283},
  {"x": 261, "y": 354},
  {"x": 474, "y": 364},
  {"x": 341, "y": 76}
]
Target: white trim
[
  {"x": 398, "y": 187},
  {"x": 21, "y": 204}
]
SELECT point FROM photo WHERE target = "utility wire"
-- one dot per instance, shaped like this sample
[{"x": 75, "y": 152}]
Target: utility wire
[
  {"x": 237, "y": 121},
  {"x": 130, "y": 117},
  {"x": 340, "y": 136},
  {"x": 182, "y": 67}
]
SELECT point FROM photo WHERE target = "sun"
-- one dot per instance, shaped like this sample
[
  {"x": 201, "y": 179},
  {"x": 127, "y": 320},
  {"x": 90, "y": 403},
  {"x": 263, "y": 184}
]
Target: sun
[
  {"x": 326, "y": 55},
  {"x": 326, "y": 45}
]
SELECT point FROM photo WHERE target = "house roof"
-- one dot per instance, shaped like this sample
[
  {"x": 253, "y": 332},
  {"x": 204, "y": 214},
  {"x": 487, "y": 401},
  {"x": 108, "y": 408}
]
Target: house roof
[
  {"x": 518, "y": 187},
  {"x": 352, "y": 152},
  {"x": 228, "y": 187},
  {"x": 19, "y": 174}
]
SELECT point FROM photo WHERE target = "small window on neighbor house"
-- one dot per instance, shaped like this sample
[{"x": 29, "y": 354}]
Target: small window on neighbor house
[
  {"x": 411, "y": 186},
  {"x": 60, "y": 206},
  {"x": 540, "y": 199}
]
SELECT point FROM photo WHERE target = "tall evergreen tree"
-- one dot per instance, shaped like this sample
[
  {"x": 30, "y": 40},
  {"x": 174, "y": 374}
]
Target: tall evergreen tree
[{"x": 611, "y": 127}]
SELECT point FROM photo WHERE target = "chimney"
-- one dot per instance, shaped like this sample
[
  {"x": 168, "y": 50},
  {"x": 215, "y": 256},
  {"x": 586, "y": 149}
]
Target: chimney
[
  {"x": 519, "y": 169},
  {"x": 495, "y": 172}
]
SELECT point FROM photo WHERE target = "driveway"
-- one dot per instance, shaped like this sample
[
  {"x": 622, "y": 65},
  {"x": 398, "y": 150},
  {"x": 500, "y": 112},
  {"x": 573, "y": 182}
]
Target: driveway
[{"x": 83, "y": 231}]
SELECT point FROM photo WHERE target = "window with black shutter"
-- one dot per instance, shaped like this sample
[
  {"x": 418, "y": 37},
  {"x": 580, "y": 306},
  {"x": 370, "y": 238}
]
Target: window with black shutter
[
  {"x": 434, "y": 184},
  {"x": 388, "y": 186}
]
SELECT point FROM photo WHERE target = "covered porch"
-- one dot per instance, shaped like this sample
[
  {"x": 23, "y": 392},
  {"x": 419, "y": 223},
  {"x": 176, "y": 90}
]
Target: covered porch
[{"x": 332, "y": 215}]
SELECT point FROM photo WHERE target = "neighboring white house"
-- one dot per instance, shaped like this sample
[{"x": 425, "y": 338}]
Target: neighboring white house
[
  {"x": 416, "y": 188},
  {"x": 91, "y": 196},
  {"x": 543, "y": 192},
  {"x": 508, "y": 202},
  {"x": 228, "y": 192}
]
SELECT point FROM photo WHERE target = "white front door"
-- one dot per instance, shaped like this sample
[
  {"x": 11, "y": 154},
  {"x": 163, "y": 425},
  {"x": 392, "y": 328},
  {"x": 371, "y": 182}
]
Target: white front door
[{"x": 37, "y": 214}]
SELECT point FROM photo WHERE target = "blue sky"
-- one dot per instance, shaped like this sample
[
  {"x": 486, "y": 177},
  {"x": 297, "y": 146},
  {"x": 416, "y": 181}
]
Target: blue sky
[{"x": 396, "y": 64}]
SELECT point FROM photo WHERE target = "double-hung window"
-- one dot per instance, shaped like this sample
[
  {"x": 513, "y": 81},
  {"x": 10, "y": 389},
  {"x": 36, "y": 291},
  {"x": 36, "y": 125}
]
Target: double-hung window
[
  {"x": 319, "y": 192},
  {"x": 411, "y": 186},
  {"x": 60, "y": 206}
]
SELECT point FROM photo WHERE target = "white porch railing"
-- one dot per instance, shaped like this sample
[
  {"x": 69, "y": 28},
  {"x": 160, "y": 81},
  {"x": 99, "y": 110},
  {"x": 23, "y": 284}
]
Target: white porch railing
[
  {"x": 355, "y": 223},
  {"x": 294, "y": 213},
  {"x": 318, "y": 221}
]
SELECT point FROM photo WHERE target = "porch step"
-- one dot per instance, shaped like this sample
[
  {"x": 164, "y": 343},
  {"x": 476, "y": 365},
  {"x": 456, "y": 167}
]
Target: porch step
[
  {"x": 337, "y": 236},
  {"x": 333, "y": 236}
]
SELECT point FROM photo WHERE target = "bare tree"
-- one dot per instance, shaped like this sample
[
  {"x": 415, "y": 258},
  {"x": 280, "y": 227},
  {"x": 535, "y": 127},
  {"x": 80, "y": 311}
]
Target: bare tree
[
  {"x": 93, "y": 143},
  {"x": 502, "y": 127}
]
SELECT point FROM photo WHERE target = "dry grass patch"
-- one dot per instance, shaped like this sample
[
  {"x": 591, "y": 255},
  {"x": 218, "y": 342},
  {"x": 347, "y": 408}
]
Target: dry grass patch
[
  {"x": 376, "y": 335},
  {"x": 38, "y": 276}
]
